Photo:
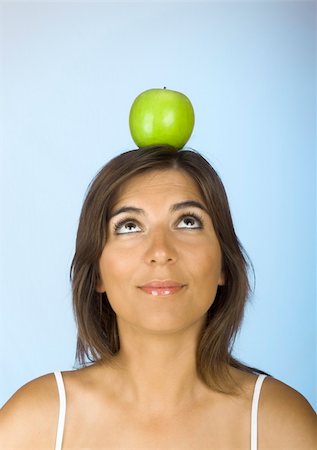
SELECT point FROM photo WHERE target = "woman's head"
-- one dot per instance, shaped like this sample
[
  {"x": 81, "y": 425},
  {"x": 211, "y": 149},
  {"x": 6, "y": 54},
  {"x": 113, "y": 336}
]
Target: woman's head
[
  {"x": 122, "y": 177},
  {"x": 161, "y": 264}
]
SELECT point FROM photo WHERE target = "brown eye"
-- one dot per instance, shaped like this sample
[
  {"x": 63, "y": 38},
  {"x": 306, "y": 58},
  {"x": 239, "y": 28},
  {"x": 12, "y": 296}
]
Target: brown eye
[
  {"x": 126, "y": 226},
  {"x": 191, "y": 221}
]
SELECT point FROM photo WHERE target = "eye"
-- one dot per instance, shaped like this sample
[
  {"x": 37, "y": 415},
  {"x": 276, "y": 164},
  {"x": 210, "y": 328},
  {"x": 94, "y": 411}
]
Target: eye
[
  {"x": 191, "y": 221},
  {"x": 126, "y": 226}
]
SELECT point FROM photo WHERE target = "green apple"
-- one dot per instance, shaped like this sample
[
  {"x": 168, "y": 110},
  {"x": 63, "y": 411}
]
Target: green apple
[{"x": 161, "y": 116}]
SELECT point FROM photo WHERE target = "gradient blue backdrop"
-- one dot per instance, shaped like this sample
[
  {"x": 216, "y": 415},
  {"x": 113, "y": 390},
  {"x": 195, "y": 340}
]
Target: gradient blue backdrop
[{"x": 69, "y": 73}]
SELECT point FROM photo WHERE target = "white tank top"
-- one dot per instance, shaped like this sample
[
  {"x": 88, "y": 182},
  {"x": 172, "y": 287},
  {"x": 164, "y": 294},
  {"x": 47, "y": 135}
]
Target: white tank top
[{"x": 62, "y": 411}]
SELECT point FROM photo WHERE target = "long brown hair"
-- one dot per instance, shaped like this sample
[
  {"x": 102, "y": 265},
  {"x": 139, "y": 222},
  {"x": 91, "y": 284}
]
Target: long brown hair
[{"x": 98, "y": 337}]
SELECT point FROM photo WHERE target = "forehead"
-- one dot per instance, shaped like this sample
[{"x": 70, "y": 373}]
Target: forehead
[{"x": 169, "y": 183}]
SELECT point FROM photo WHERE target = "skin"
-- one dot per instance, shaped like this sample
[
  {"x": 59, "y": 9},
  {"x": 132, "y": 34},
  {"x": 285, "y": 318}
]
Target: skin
[
  {"x": 149, "y": 396},
  {"x": 158, "y": 334}
]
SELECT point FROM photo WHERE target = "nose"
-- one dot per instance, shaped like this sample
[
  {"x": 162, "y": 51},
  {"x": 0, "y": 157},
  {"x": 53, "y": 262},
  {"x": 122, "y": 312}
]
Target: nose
[{"x": 160, "y": 248}]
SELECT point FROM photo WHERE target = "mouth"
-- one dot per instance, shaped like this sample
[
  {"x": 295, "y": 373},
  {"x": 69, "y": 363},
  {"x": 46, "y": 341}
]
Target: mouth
[{"x": 162, "y": 288}]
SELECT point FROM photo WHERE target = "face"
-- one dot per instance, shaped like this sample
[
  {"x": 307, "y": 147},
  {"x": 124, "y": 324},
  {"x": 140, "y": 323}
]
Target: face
[{"x": 161, "y": 264}]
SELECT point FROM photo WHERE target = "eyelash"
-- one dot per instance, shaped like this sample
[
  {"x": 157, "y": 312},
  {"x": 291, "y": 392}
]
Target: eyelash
[{"x": 195, "y": 216}]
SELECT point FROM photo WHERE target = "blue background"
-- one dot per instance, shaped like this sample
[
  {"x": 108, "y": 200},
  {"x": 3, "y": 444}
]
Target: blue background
[{"x": 69, "y": 74}]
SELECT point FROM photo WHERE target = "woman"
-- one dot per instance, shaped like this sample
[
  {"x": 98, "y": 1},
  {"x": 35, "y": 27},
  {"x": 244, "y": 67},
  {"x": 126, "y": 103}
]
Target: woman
[{"x": 159, "y": 288}]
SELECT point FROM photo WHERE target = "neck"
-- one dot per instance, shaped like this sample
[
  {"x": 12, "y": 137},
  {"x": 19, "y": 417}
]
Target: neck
[{"x": 157, "y": 372}]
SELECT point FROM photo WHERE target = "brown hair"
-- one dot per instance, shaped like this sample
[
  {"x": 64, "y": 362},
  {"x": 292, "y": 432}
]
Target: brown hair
[{"x": 97, "y": 337}]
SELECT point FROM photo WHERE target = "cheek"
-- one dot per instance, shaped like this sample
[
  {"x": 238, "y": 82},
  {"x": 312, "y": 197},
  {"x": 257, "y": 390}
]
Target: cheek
[
  {"x": 114, "y": 269},
  {"x": 207, "y": 278},
  {"x": 208, "y": 261}
]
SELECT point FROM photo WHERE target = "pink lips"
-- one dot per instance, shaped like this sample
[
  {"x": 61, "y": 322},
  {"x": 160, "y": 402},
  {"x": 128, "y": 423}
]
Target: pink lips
[{"x": 166, "y": 287}]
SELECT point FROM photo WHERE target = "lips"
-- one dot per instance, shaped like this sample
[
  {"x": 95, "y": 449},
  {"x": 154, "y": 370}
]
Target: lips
[{"x": 162, "y": 287}]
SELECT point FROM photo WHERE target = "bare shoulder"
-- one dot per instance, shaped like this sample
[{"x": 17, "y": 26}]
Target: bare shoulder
[
  {"x": 286, "y": 418},
  {"x": 29, "y": 418}
]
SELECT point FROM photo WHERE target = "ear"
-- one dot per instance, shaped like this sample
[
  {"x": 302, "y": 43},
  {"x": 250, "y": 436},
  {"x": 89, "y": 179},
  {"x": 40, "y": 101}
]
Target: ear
[
  {"x": 222, "y": 280},
  {"x": 99, "y": 286}
]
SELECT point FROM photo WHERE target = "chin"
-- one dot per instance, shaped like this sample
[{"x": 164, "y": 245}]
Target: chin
[{"x": 166, "y": 325}]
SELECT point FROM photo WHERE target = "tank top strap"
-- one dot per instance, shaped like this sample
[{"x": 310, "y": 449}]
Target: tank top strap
[
  {"x": 254, "y": 411},
  {"x": 62, "y": 410}
]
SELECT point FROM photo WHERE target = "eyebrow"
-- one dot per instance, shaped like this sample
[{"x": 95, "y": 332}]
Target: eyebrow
[{"x": 173, "y": 208}]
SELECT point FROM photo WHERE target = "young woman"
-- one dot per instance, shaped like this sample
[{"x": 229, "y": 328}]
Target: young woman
[{"x": 160, "y": 284}]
